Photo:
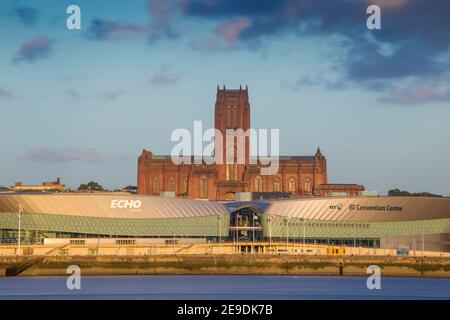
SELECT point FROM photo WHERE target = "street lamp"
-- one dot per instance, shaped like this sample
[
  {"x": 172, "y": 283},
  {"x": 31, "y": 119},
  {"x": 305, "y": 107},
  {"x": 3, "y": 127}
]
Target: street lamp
[
  {"x": 19, "y": 215},
  {"x": 287, "y": 234},
  {"x": 304, "y": 240},
  {"x": 270, "y": 230},
  {"x": 220, "y": 232}
]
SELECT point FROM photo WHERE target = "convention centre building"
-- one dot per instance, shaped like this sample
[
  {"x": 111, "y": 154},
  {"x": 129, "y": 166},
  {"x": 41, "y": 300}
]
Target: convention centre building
[{"x": 412, "y": 222}]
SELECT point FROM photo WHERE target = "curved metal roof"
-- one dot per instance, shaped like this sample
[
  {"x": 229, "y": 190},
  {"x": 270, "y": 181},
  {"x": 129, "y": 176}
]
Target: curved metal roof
[
  {"x": 110, "y": 205},
  {"x": 345, "y": 209},
  {"x": 363, "y": 208}
]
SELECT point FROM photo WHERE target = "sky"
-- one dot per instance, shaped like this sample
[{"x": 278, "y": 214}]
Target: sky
[{"x": 82, "y": 104}]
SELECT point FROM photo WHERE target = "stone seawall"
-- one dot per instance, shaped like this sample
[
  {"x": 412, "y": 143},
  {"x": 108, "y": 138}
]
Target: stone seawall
[{"x": 234, "y": 264}]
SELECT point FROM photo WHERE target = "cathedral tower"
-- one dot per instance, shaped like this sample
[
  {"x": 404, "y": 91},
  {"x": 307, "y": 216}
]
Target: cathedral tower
[{"x": 232, "y": 111}]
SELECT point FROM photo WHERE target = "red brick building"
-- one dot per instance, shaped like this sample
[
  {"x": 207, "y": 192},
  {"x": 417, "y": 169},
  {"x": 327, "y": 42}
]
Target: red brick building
[{"x": 299, "y": 175}]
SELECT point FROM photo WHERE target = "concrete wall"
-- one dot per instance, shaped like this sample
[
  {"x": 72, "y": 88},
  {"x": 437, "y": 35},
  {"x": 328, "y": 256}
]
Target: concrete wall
[{"x": 205, "y": 249}]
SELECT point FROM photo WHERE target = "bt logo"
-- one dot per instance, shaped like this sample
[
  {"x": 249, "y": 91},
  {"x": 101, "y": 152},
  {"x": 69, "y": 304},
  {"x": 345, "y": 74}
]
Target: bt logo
[
  {"x": 338, "y": 206},
  {"x": 126, "y": 204}
]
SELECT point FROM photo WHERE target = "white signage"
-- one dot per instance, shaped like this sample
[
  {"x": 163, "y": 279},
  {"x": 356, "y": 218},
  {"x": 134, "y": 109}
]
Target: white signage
[{"x": 126, "y": 204}]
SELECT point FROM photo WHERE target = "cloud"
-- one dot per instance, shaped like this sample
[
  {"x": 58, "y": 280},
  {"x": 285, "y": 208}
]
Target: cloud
[
  {"x": 319, "y": 80},
  {"x": 225, "y": 36},
  {"x": 73, "y": 94},
  {"x": 108, "y": 30},
  {"x": 113, "y": 94},
  {"x": 34, "y": 49},
  {"x": 414, "y": 32},
  {"x": 162, "y": 13},
  {"x": 418, "y": 94},
  {"x": 164, "y": 77},
  {"x": 27, "y": 15},
  {"x": 71, "y": 155},
  {"x": 6, "y": 94},
  {"x": 231, "y": 30},
  {"x": 161, "y": 17},
  {"x": 389, "y": 4}
]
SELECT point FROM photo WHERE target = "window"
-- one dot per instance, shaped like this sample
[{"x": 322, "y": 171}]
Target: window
[
  {"x": 185, "y": 185},
  {"x": 203, "y": 187},
  {"x": 291, "y": 185},
  {"x": 155, "y": 185},
  {"x": 231, "y": 171},
  {"x": 276, "y": 184},
  {"x": 230, "y": 196},
  {"x": 229, "y": 120},
  {"x": 234, "y": 122},
  {"x": 307, "y": 186},
  {"x": 232, "y": 118},
  {"x": 258, "y": 184},
  {"x": 125, "y": 242},
  {"x": 171, "y": 184}
]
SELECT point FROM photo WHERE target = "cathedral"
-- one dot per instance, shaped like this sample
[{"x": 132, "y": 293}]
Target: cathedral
[{"x": 301, "y": 176}]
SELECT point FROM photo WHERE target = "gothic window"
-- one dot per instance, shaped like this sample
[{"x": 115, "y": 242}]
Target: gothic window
[
  {"x": 276, "y": 184},
  {"x": 230, "y": 196},
  {"x": 234, "y": 121},
  {"x": 171, "y": 184},
  {"x": 232, "y": 117},
  {"x": 307, "y": 186},
  {"x": 203, "y": 187},
  {"x": 185, "y": 185},
  {"x": 229, "y": 118},
  {"x": 155, "y": 185},
  {"x": 291, "y": 185},
  {"x": 258, "y": 184},
  {"x": 231, "y": 171}
]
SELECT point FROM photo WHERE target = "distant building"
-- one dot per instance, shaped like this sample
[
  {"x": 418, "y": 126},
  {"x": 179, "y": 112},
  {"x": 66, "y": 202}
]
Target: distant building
[
  {"x": 300, "y": 176},
  {"x": 415, "y": 223},
  {"x": 129, "y": 189},
  {"x": 52, "y": 186},
  {"x": 368, "y": 193},
  {"x": 252, "y": 196},
  {"x": 339, "y": 190}
]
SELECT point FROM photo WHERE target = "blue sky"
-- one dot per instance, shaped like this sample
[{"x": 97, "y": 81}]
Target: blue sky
[{"x": 82, "y": 104}]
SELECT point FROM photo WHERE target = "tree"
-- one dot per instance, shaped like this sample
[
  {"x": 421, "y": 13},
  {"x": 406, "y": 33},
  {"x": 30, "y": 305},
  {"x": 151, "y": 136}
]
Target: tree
[
  {"x": 399, "y": 193},
  {"x": 90, "y": 186}
]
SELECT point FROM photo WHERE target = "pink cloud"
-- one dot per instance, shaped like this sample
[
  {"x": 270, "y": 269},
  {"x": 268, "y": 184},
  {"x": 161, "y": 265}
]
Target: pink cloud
[
  {"x": 230, "y": 30},
  {"x": 70, "y": 155},
  {"x": 418, "y": 94},
  {"x": 389, "y": 4},
  {"x": 36, "y": 48}
]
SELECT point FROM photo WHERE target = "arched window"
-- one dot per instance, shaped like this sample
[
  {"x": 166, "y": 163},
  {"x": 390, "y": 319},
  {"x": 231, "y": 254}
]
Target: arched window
[
  {"x": 307, "y": 186},
  {"x": 171, "y": 184},
  {"x": 231, "y": 171},
  {"x": 203, "y": 187},
  {"x": 234, "y": 118},
  {"x": 229, "y": 120},
  {"x": 258, "y": 184},
  {"x": 230, "y": 196},
  {"x": 276, "y": 184},
  {"x": 185, "y": 185},
  {"x": 155, "y": 185},
  {"x": 291, "y": 185}
]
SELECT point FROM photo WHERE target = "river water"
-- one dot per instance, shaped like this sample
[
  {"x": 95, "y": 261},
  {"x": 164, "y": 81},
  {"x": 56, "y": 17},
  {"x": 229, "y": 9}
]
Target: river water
[{"x": 223, "y": 287}]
